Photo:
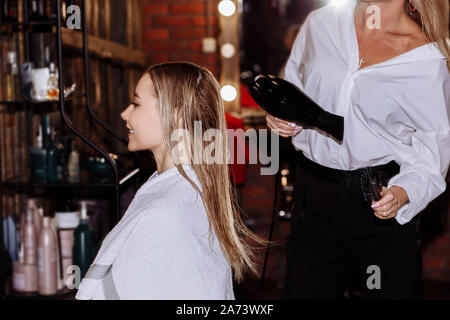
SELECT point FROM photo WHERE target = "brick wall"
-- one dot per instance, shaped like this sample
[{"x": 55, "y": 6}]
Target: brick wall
[{"x": 173, "y": 30}]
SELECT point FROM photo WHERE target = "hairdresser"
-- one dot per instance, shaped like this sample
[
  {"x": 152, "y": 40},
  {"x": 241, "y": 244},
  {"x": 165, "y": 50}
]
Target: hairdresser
[{"x": 384, "y": 66}]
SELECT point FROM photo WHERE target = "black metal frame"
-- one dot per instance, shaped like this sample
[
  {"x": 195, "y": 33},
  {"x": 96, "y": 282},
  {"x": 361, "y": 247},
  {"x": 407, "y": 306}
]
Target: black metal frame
[{"x": 113, "y": 187}]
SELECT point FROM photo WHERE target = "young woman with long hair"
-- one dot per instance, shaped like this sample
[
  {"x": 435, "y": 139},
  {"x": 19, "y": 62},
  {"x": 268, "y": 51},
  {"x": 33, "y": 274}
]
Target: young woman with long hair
[{"x": 182, "y": 236}]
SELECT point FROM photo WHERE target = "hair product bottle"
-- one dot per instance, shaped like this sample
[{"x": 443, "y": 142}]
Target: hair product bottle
[
  {"x": 52, "y": 158},
  {"x": 30, "y": 238},
  {"x": 59, "y": 274},
  {"x": 38, "y": 159},
  {"x": 53, "y": 85},
  {"x": 25, "y": 277},
  {"x": 74, "y": 165},
  {"x": 26, "y": 82},
  {"x": 84, "y": 247},
  {"x": 12, "y": 78},
  {"x": 67, "y": 223},
  {"x": 37, "y": 214},
  {"x": 36, "y": 10},
  {"x": 47, "y": 259}
]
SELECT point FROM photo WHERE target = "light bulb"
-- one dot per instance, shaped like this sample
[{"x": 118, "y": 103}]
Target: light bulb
[
  {"x": 227, "y": 50},
  {"x": 227, "y": 8},
  {"x": 228, "y": 93}
]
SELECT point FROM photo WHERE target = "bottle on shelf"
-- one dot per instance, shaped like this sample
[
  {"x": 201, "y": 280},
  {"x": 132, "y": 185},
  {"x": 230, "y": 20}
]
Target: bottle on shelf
[
  {"x": 84, "y": 247},
  {"x": 30, "y": 239},
  {"x": 46, "y": 130},
  {"x": 74, "y": 165},
  {"x": 59, "y": 143},
  {"x": 53, "y": 85},
  {"x": 40, "y": 78},
  {"x": 59, "y": 274},
  {"x": 12, "y": 78},
  {"x": 37, "y": 10},
  {"x": 68, "y": 221},
  {"x": 47, "y": 56},
  {"x": 38, "y": 159},
  {"x": 25, "y": 277},
  {"x": 37, "y": 214},
  {"x": 39, "y": 57},
  {"x": 26, "y": 81},
  {"x": 52, "y": 158},
  {"x": 47, "y": 263}
]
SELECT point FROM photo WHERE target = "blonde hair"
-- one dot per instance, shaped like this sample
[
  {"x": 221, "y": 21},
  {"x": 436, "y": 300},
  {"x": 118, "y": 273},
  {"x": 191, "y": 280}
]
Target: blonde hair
[
  {"x": 433, "y": 17},
  {"x": 191, "y": 93}
]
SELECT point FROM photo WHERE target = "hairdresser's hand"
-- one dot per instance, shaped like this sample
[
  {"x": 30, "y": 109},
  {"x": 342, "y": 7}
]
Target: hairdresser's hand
[
  {"x": 392, "y": 200},
  {"x": 283, "y": 128}
]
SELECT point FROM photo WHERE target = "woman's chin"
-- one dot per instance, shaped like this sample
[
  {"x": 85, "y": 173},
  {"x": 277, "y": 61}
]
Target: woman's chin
[{"x": 132, "y": 147}]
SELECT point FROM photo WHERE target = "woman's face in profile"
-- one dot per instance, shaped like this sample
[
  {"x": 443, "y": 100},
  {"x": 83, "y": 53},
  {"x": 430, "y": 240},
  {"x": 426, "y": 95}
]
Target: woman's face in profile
[{"x": 142, "y": 118}]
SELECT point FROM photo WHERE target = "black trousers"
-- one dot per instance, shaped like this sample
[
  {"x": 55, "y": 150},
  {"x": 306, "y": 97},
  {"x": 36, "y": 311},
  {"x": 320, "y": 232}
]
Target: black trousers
[{"x": 337, "y": 244}]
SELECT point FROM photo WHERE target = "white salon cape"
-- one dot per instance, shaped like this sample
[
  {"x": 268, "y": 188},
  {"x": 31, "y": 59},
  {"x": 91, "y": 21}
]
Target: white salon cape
[
  {"x": 394, "y": 110},
  {"x": 160, "y": 249}
]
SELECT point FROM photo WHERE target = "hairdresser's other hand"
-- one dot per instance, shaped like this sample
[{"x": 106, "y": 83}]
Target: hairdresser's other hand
[
  {"x": 281, "y": 127},
  {"x": 392, "y": 200}
]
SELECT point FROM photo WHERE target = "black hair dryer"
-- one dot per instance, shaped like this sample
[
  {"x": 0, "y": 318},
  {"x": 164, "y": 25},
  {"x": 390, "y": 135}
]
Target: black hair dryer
[{"x": 284, "y": 100}]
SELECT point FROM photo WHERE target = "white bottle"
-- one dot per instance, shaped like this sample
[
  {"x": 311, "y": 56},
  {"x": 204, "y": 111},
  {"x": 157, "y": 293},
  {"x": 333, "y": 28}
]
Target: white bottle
[
  {"x": 37, "y": 214},
  {"x": 47, "y": 264},
  {"x": 74, "y": 165}
]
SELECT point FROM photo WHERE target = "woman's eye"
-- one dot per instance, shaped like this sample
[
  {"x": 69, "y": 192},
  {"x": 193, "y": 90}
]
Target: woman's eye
[{"x": 134, "y": 103}]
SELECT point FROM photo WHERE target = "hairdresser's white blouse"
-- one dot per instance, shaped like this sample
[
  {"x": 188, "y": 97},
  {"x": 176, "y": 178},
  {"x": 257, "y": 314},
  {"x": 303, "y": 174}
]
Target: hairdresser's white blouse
[
  {"x": 160, "y": 248},
  {"x": 395, "y": 110}
]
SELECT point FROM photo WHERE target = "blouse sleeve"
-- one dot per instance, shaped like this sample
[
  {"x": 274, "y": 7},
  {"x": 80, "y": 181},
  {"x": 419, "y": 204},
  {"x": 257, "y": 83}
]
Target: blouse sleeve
[
  {"x": 423, "y": 170},
  {"x": 292, "y": 72},
  {"x": 423, "y": 175}
]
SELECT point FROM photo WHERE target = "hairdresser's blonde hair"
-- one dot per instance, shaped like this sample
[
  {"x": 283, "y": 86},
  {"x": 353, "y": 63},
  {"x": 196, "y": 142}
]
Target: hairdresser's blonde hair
[
  {"x": 433, "y": 17},
  {"x": 191, "y": 93}
]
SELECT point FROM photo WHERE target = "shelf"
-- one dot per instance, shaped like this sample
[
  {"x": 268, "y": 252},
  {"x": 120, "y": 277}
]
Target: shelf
[
  {"x": 105, "y": 49},
  {"x": 45, "y": 102},
  {"x": 88, "y": 188},
  {"x": 11, "y": 27},
  {"x": 31, "y": 23},
  {"x": 86, "y": 179},
  {"x": 64, "y": 294}
]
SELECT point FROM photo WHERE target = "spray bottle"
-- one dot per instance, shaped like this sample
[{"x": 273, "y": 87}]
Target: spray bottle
[{"x": 84, "y": 247}]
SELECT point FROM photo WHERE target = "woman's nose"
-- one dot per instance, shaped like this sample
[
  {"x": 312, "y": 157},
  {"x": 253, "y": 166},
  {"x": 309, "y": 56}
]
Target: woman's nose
[{"x": 125, "y": 113}]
